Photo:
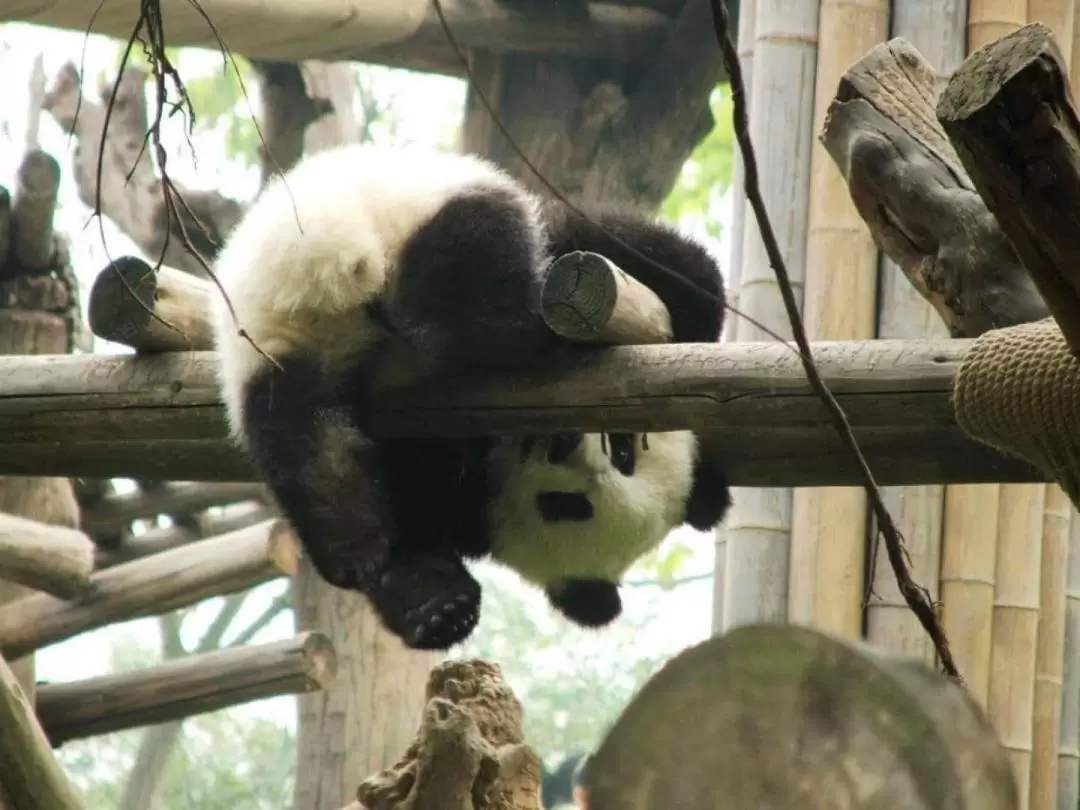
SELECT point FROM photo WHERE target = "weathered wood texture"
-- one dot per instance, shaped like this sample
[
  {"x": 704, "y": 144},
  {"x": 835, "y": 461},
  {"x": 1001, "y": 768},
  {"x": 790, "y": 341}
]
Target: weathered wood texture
[
  {"x": 158, "y": 317},
  {"x": 185, "y": 687},
  {"x": 160, "y": 416},
  {"x": 54, "y": 559},
  {"x": 153, "y": 586},
  {"x": 785, "y": 716},
  {"x": 470, "y": 743},
  {"x": 403, "y": 33},
  {"x": 1008, "y": 112},
  {"x": 30, "y": 776},
  {"x": 588, "y": 299},
  {"x": 914, "y": 195}
]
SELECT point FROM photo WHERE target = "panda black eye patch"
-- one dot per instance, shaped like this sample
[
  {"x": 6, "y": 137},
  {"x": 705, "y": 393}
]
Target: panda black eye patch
[
  {"x": 623, "y": 452},
  {"x": 555, "y": 507}
]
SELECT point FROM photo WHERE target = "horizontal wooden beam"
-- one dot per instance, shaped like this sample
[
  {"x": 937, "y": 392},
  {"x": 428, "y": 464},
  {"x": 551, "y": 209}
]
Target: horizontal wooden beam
[
  {"x": 402, "y": 33},
  {"x": 160, "y": 416},
  {"x": 184, "y": 687},
  {"x": 153, "y": 586}
]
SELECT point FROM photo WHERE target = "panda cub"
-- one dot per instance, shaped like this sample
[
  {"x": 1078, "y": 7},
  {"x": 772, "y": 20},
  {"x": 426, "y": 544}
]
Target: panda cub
[{"x": 372, "y": 267}]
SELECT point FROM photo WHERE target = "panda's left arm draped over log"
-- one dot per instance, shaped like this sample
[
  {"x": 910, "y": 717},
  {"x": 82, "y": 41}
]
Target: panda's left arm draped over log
[{"x": 371, "y": 267}]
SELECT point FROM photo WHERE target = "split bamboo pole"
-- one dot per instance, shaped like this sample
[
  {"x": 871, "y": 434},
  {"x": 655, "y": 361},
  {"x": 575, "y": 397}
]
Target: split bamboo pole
[
  {"x": 1010, "y": 698},
  {"x": 744, "y": 44},
  {"x": 781, "y": 115},
  {"x": 1068, "y": 773},
  {"x": 828, "y": 541},
  {"x": 1046, "y": 718}
]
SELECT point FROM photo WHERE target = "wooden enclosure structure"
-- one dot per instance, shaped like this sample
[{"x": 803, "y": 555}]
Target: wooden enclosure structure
[{"x": 990, "y": 538}]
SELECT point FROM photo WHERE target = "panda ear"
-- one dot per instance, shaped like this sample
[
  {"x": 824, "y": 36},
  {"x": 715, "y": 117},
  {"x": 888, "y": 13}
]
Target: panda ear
[
  {"x": 587, "y": 602},
  {"x": 710, "y": 497}
]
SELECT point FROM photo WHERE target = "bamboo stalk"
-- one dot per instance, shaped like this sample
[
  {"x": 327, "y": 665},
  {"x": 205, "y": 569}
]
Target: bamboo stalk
[
  {"x": 937, "y": 30},
  {"x": 828, "y": 542},
  {"x": 1069, "y": 740},
  {"x": 745, "y": 45},
  {"x": 781, "y": 114},
  {"x": 991, "y": 19},
  {"x": 1010, "y": 702},
  {"x": 1046, "y": 720}
]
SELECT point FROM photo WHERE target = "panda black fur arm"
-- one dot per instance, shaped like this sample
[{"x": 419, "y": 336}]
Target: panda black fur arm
[{"x": 373, "y": 267}]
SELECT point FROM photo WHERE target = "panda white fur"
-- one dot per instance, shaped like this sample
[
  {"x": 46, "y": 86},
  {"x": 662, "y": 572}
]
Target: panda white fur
[{"x": 370, "y": 267}]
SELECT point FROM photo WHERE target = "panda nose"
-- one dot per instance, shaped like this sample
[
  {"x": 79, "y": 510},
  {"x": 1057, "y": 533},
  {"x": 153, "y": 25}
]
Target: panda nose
[{"x": 561, "y": 445}]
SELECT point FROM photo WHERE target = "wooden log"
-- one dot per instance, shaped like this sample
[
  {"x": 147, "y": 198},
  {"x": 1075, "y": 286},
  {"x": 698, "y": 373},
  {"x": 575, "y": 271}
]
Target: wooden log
[
  {"x": 165, "y": 314},
  {"x": 54, "y": 559},
  {"x": 1008, "y": 112},
  {"x": 896, "y": 395},
  {"x": 911, "y": 190},
  {"x": 470, "y": 742},
  {"x": 184, "y": 687},
  {"x": 32, "y": 211},
  {"x": 159, "y": 416},
  {"x": 153, "y": 586},
  {"x": 110, "y": 516},
  {"x": 165, "y": 538},
  {"x": 588, "y": 299},
  {"x": 403, "y": 33},
  {"x": 30, "y": 776},
  {"x": 786, "y": 716}
]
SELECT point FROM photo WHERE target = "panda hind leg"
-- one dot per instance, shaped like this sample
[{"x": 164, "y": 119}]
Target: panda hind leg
[
  {"x": 438, "y": 489},
  {"x": 586, "y": 602},
  {"x": 322, "y": 470}
]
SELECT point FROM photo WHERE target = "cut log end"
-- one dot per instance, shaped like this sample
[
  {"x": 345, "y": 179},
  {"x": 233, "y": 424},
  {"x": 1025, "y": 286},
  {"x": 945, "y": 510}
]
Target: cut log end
[
  {"x": 588, "y": 299},
  {"x": 167, "y": 312}
]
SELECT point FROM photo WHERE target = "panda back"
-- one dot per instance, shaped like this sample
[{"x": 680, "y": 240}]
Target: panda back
[{"x": 315, "y": 247}]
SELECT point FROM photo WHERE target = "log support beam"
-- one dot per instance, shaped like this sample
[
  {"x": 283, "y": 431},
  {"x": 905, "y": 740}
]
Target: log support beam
[{"x": 185, "y": 687}]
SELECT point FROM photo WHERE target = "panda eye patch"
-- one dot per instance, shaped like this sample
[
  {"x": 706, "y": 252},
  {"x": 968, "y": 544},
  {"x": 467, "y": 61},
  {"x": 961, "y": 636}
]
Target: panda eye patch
[{"x": 623, "y": 452}]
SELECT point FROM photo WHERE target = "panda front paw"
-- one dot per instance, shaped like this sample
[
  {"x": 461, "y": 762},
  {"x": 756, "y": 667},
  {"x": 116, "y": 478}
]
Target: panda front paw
[
  {"x": 430, "y": 602},
  {"x": 349, "y": 568}
]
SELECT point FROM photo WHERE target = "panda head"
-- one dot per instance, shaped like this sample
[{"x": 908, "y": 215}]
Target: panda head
[{"x": 573, "y": 512}]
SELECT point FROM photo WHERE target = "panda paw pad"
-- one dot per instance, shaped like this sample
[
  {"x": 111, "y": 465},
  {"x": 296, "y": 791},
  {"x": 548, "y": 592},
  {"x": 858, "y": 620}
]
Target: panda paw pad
[{"x": 430, "y": 602}]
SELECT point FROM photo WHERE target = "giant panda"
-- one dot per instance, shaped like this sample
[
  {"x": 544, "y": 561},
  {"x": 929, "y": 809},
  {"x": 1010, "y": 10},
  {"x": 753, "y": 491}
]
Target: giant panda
[{"x": 369, "y": 267}]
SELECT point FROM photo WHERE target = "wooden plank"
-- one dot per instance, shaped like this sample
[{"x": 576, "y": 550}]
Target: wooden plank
[{"x": 160, "y": 416}]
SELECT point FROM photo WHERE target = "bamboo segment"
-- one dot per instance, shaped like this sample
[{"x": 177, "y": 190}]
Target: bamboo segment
[
  {"x": 1046, "y": 720},
  {"x": 1069, "y": 741},
  {"x": 781, "y": 115},
  {"x": 1010, "y": 702},
  {"x": 828, "y": 543},
  {"x": 938, "y": 31},
  {"x": 992, "y": 19},
  {"x": 745, "y": 46},
  {"x": 1057, "y": 15},
  {"x": 968, "y": 568}
]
